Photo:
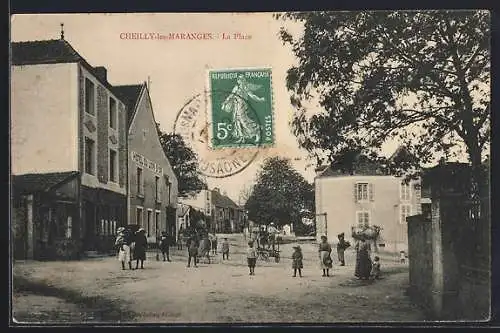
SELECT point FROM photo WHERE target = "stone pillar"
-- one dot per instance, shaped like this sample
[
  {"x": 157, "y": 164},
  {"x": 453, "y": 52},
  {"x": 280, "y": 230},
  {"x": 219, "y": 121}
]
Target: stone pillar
[
  {"x": 437, "y": 259},
  {"x": 30, "y": 243}
]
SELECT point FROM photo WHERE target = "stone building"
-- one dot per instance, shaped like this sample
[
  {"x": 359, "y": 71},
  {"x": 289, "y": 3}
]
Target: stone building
[
  {"x": 67, "y": 125},
  {"x": 152, "y": 184},
  {"x": 366, "y": 197}
]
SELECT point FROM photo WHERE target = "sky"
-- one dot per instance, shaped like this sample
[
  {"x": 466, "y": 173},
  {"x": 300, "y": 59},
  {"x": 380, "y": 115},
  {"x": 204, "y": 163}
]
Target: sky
[{"x": 176, "y": 69}]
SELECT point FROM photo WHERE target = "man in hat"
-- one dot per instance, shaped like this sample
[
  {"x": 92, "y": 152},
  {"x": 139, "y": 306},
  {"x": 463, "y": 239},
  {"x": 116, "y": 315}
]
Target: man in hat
[
  {"x": 141, "y": 244},
  {"x": 165, "y": 242},
  {"x": 342, "y": 245}
]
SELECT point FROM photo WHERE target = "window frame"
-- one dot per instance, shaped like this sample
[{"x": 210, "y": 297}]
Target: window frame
[
  {"x": 94, "y": 99},
  {"x": 408, "y": 213},
  {"x": 405, "y": 192},
  {"x": 113, "y": 166},
  {"x": 141, "y": 209},
  {"x": 140, "y": 181},
  {"x": 366, "y": 213},
  {"x": 367, "y": 192},
  {"x": 112, "y": 113},
  {"x": 149, "y": 222},
  {"x": 86, "y": 160},
  {"x": 157, "y": 188}
]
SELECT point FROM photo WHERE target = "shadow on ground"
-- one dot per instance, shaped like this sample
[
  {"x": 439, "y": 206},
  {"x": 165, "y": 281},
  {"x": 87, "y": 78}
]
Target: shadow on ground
[{"x": 92, "y": 308}]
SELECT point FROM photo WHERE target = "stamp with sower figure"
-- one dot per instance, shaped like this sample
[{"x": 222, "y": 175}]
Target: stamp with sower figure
[{"x": 241, "y": 108}]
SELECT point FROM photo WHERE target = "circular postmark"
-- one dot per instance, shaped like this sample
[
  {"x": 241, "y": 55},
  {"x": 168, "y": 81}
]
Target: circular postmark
[{"x": 194, "y": 125}]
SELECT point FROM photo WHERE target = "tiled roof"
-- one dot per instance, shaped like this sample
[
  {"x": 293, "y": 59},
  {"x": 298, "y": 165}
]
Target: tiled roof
[
  {"x": 39, "y": 182},
  {"x": 44, "y": 52},
  {"x": 221, "y": 200},
  {"x": 129, "y": 94}
]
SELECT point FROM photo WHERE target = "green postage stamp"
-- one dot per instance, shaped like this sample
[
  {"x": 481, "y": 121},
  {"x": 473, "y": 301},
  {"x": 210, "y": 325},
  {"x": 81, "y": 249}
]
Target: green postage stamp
[{"x": 241, "y": 108}]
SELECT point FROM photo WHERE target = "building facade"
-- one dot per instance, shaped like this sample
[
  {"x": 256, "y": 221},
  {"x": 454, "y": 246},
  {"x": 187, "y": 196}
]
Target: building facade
[
  {"x": 223, "y": 214},
  {"x": 365, "y": 198},
  {"x": 66, "y": 118},
  {"x": 152, "y": 184}
]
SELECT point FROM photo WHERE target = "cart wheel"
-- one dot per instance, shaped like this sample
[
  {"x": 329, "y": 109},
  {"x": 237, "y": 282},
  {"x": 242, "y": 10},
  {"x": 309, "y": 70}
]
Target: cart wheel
[{"x": 277, "y": 258}]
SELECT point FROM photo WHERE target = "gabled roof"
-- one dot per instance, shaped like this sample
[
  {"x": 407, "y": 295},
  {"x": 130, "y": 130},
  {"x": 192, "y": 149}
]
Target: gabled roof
[
  {"x": 40, "y": 182},
  {"x": 130, "y": 95},
  {"x": 52, "y": 51},
  {"x": 221, "y": 200}
]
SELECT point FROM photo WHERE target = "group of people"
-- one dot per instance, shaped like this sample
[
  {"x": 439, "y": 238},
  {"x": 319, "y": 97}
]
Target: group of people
[
  {"x": 364, "y": 269},
  {"x": 131, "y": 246}
]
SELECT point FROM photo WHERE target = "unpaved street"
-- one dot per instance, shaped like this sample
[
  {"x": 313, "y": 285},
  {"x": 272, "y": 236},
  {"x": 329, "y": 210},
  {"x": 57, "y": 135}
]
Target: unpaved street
[{"x": 96, "y": 290}]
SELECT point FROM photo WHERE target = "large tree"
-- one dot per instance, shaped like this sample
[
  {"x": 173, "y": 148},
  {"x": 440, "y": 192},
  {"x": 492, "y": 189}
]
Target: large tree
[
  {"x": 184, "y": 163},
  {"x": 422, "y": 78},
  {"x": 279, "y": 194}
]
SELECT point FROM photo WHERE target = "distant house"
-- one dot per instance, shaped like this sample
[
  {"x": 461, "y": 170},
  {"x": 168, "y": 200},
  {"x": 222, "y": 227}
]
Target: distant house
[
  {"x": 365, "y": 197},
  {"x": 223, "y": 213},
  {"x": 152, "y": 184},
  {"x": 68, "y": 143}
]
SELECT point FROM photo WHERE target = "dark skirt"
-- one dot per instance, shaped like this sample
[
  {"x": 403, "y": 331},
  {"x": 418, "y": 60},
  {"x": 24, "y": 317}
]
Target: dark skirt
[
  {"x": 140, "y": 252},
  {"x": 363, "y": 265},
  {"x": 297, "y": 263},
  {"x": 251, "y": 262}
]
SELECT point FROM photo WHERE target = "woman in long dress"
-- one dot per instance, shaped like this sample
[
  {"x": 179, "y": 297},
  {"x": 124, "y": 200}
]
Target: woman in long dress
[
  {"x": 141, "y": 243},
  {"x": 324, "y": 256},
  {"x": 237, "y": 103},
  {"x": 363, "y": 262}
]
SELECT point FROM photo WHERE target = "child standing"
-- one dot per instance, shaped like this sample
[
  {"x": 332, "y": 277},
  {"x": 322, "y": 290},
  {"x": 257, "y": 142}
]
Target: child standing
[
  {"x": 297, "y": 261},
  {"x": 375, "y": 274},
  {"x": 225, "y": 249},
  {"x": 402, "y": 257},
  {"x": 251, "y": 257},
  {"x": 192, "y": 251},
  {"x": 123, "y": 244}
]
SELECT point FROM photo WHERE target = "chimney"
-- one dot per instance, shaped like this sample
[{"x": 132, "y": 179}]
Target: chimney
[{"x": 102, "y": 73}]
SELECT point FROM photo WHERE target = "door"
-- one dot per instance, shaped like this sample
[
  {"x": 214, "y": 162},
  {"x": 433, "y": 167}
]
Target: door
[{"x": 90, "y": 226}]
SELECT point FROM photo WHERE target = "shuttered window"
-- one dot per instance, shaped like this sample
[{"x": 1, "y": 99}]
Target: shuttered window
[
  {"x": 363, "y": 218},
  {"x": 363, "y": 192}
]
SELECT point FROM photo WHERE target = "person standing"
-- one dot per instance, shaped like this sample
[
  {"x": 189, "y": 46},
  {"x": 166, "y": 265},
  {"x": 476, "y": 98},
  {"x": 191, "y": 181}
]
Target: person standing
[
  {"x": 141, "y": 244},
  {"x": 363, "y": 262},
  {"x": 324, "y": 255},
  {"x": 225, "y": 249},
  {"x": 192, "y": 245},
  {"x": 123, "y": 243},
  {"x": 251, "y": 257},
  {"x": 297, "y": 261},
  {"x": 342, "y": 245},
  {"x": 165, "y": 242}
]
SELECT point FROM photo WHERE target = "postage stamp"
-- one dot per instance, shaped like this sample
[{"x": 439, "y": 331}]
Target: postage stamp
[
  {"x": 194, "y": 126},
  {"x": 240, "y": 108}
]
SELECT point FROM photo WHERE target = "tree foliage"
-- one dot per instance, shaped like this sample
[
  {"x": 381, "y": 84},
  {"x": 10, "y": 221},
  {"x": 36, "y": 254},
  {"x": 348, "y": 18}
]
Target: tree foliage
[
  {"x": 184, "y": 163},
  {"x": 422, "y": 78},
  {"x": 280, "y": 193}
]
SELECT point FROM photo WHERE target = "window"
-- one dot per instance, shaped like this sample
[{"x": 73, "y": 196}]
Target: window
[
  {"x": 69, "y": 227},
  {"x": 157, "y": 219},
  {"x": 405, "y": 192},
  {"x": 113, "y": 164},
  {"x": 363, "y": 192},
  {"x": 405, "y": 211},
  {"x": 149, "y": 224},
  {"x": 138, "y": 216},
  {"x": 157, "y": 188},
  {"x": 363, "y": 218},
  {"x": 89, "y": 97},
  {"x": 140, "y": 182},
  {"x": 89, "y": 156},
  {"x": 112, "y": 113}
]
